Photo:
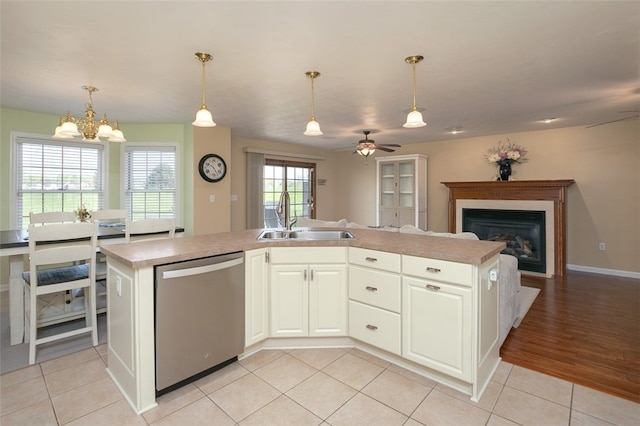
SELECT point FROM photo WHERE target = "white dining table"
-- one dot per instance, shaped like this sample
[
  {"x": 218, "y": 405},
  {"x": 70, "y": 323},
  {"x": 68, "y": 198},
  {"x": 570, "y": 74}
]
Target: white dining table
[{"x": 14, "y": 244}]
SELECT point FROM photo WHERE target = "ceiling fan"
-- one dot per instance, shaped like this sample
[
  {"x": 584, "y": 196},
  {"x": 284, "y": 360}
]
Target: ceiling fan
[
  {"x": 637, "y": 115},
  {"x": 367, "y": 146}
]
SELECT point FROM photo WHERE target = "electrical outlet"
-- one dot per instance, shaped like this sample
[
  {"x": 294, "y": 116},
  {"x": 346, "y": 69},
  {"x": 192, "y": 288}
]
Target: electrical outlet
[{"x": 602, "y": 246}]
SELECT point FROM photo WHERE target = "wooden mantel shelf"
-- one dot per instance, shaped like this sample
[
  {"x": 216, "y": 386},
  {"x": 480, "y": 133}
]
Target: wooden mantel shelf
[{"x": 547, "y": 190}]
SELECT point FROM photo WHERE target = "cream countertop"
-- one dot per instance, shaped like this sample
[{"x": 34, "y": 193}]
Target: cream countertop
[{"x": 159, "y": 252}]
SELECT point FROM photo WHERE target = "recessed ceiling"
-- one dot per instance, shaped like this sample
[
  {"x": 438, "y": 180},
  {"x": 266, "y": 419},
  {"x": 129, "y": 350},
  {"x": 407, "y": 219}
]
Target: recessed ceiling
[{"x": 489, "y": 67}]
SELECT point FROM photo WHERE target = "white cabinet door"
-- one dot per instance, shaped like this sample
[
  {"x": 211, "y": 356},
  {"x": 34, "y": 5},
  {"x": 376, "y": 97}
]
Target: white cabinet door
[
  {"x": 327, "y": 300},
  {"x": 256, "y": 296},
  {"x": 436, "y": 326},
  {"x": 289, "y": 300}
]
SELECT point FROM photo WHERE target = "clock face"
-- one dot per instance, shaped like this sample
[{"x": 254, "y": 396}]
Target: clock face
[{"x": 212, "y": 168}]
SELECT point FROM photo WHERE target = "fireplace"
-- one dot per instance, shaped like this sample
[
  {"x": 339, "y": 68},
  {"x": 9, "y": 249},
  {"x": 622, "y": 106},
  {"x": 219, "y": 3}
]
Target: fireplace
[
  {"x": 523, "y": 231},
  {"x": 532, "y": 195}
]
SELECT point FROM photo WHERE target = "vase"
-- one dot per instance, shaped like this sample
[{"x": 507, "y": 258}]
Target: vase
[{"x": 505, "y": 170}]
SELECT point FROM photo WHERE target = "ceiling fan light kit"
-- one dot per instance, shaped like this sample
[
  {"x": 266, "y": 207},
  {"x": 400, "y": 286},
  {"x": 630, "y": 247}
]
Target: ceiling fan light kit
[
  {"x": 414, "y": 118},
  {"x": 203, "y": 116},
  {"x": 367, "y": 147},
  {"x": 313, "y": 127},
  {"x": 90, "y": 130}
]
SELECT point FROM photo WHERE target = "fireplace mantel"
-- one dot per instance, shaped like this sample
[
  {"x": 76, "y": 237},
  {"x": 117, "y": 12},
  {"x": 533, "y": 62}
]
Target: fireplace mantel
[{"x": 546, "y": 190}]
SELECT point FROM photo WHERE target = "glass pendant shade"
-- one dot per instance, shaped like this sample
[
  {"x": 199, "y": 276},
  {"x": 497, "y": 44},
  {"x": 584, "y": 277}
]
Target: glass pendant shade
[
  {"x": 414, "y": 119},
  {"x": 104, "y": 131},
  {"x": 69, "y": 128},
  {"x": 365, "y": 152},
  {"x": 313, "y": 128},
  {"x": 117, "y": 135},
  {"x": 203, "y": 119}
]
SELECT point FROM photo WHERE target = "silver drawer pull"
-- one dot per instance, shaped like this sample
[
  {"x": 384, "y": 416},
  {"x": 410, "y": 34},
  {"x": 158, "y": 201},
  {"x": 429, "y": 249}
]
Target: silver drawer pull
[
  {"x": 433, "y": 287},
  {"x": 430, "y": 269},
  {"x": 371, "y": 327},
  {"x": 371, "y": 288},
  {"x": 370, "y": 259}
]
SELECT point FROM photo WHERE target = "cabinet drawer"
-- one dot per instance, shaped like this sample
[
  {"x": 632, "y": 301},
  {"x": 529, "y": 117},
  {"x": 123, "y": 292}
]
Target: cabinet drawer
[
  {"x": 441, "y": 270},
  {"x": 376, "y": 288},
  {"x": 306, "y": 255},
  {"x": 374, "y": 259},
  {"x": 375, "y": 326}
]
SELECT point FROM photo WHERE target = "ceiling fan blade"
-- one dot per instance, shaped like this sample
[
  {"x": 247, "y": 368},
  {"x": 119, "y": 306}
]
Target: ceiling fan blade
[
  {"x": 385, "y": 149},
  {"x": 614, "y": 121},
  {"x": 390, "y": 144}
]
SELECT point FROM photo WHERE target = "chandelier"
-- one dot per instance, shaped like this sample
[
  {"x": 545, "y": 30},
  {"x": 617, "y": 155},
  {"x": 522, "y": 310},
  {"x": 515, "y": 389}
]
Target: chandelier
[
  {"x": 88, "y": 127},
  {"x": 414, "y": 118},
  {"x": 313, "y": 127}
]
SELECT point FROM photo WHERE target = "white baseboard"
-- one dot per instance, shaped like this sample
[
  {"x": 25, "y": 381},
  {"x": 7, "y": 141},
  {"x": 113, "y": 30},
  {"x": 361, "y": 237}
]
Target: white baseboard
[{"x": 603, "y": 271}]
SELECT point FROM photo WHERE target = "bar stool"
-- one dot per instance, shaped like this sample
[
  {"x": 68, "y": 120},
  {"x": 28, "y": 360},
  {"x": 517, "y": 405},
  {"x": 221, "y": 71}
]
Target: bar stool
[{"x": 149, "y": 229}]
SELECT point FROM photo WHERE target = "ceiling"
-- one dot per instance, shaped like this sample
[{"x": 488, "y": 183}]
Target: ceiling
[{"x": 490, "y": 67}]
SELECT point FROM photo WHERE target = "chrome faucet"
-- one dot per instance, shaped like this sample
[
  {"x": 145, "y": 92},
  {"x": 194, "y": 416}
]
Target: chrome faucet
[{"x": 283, "y": 211}]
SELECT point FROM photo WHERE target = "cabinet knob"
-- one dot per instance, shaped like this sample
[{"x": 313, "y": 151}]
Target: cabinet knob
[
  {"x": 430, "y": 269},
  {"x": 370, "y": 259},
  {"x": 371, "y": 288},
  {"x": 433, "y": 287},
  {"x": 371, "y": 327}
]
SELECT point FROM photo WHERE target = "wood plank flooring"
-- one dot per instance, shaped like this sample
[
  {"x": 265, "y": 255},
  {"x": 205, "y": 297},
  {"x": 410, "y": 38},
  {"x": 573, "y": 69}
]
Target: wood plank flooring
[{"x": 584, "y": 328}]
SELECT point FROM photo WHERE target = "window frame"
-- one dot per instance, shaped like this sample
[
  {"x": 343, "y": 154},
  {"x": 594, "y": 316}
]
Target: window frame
[
  {"x": 17, "y": 138},
  {"x": 285, "y": 164},
  {"x": 151, "y": 146}
]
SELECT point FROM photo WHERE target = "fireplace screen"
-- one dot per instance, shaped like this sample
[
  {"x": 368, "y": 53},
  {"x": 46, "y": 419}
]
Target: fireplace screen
[{"x": 522, "y": 230}]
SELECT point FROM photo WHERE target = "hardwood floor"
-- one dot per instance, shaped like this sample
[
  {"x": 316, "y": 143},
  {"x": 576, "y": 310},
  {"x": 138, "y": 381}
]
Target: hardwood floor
[{"x": 584, "y": 328}]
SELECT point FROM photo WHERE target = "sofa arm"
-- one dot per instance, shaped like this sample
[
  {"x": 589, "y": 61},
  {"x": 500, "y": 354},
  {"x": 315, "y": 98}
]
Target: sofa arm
[{"x": 509, "y": 284}]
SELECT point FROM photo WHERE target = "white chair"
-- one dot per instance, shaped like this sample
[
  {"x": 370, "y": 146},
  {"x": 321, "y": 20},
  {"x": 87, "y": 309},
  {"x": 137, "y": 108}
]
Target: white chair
[
  {"x": 62, "y": 257},
  {"x": 149, "y": 229},
  {"x": 51, "y": 217},
  {"x": 106, "y": 217}
]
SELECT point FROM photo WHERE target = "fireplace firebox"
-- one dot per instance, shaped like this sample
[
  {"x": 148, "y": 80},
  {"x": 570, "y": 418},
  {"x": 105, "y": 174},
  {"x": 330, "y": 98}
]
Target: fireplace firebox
[{"x": 523, "y": 231}]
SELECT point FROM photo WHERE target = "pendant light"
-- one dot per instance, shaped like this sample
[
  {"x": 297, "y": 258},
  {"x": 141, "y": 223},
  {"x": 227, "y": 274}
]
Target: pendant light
[
  {"x": 414, "y": 118},
  {"x": 203, "y": 116},
  {"x": 313, "y": 127}
]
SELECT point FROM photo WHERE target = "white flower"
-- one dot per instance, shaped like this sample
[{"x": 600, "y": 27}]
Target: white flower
[{"x": 513, "y": 155}]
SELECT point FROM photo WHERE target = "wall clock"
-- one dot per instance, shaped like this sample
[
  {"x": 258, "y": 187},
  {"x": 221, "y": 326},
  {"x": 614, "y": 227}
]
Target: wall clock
[{"x": 212, "y": 168}]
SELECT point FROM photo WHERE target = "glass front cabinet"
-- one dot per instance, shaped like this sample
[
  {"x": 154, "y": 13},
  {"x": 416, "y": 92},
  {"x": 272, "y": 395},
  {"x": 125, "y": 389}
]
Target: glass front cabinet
[{"x": 402, "y": 191}]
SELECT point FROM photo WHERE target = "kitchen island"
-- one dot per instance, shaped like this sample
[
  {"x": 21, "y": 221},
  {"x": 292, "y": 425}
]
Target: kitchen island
[{"x": 465, "y": 353}]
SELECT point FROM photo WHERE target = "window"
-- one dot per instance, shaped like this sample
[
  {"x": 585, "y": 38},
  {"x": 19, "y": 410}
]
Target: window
[
  {"x": 55, "y": 175},
  {"x": 295, "y": 178},
  {"x": 150, "y": 181}
]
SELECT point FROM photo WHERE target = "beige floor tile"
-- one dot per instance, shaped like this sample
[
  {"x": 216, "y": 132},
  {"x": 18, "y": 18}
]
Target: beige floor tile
[
  {"x": 220, "y": 378},
  {"x": 19, "y": 376},
  {"x": 118, "y": 413},
  {"x": 371, "y": 358},
  {"x": 85, "y": 399},
  {"x": 487, "y": 402},
  {"x": 244, "y": 396},
  {"x": 527, "y": 409},
  {"x": 582, "y": 419},
  {"x": 75, "y": 375},
  {"x": 260, "y": 359},
  {"x": 353, "y": 371},
  {"x": 285, "y": 372},
  {"x": 282, "y": 411},
  {"x": 321, "y": 394},
  {"x": 502, "y": 373},
  {"x": 605, "y": 407},
  {"x": 441, "y": 409},
  {"x": 365, "y": 411},
  {"x": 41, "y": 414},
  {"x": 396, "y": 391},
  {"x": 173, "y": 401},
  {"x": 413, "y": 376},
  {"x": 22, "y": 395},
  {"x": 318, "y": 358},
  {"x": 500, "y": 421},
  {"x": 202, "y": 412},
  {"x": 542, "y": 385},
  {"x": 412, "y": 422},
  {"x": 69, "y": 360}
]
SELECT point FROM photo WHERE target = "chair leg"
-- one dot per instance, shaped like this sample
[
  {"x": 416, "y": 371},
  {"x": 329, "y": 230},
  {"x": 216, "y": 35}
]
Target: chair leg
[
  {"x": 91, "y": 319},
  {"x": 33, "y": 325}
]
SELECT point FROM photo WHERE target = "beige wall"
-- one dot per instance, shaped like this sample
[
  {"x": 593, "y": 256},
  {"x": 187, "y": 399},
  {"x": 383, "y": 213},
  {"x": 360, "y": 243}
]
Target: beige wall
[{"x": 603, "y": 205}]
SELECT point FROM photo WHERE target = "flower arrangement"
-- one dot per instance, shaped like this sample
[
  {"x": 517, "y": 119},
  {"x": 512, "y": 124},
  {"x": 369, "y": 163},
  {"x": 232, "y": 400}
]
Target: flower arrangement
[
  {"x": 506, "y": 153},
  {"x": 82, "y": 213}
]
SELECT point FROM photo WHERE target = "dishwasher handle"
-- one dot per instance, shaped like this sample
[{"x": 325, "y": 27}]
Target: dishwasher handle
[{"x": 198, "y": 270}]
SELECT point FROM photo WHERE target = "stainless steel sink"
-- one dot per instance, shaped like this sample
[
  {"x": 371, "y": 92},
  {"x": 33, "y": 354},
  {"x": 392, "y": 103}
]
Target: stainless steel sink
[{"x": 305, "y": 234}]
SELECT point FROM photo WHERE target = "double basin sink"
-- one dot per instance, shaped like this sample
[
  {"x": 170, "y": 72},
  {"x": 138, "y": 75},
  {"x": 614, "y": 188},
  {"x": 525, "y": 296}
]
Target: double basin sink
[{"x": 305, "y": 234}]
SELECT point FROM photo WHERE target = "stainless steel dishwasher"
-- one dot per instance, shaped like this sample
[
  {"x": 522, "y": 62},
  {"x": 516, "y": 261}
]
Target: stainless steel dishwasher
[{"x": 199, "y": 318}]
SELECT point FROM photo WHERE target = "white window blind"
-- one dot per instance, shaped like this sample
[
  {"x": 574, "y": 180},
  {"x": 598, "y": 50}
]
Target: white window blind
[
  {"x": 150, "y": 181},
  {"x": 56, "y": 175}
]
